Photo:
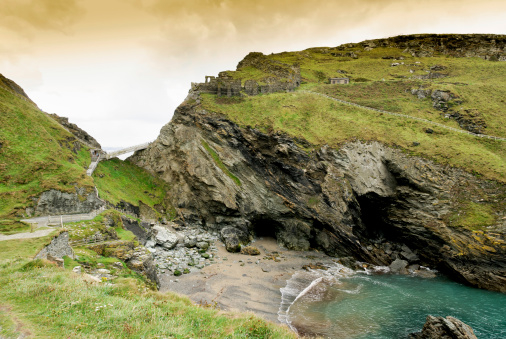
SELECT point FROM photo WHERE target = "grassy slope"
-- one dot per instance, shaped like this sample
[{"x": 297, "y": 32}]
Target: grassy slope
[
  {"x": 480, "y": 84},
  {"x": 119, "y": 180},
  {"x": 35, "y": 155},
  {"x": 51, "y": 302}
]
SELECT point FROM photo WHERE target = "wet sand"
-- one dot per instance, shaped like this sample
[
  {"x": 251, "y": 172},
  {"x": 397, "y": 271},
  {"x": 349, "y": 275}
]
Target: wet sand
[{"x": 233, "y": 285}]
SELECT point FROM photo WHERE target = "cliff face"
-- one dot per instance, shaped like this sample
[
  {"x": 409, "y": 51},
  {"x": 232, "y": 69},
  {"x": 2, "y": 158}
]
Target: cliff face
[
  {"x": 364, "y": 200},
  {"x": 76, "y": 131}
]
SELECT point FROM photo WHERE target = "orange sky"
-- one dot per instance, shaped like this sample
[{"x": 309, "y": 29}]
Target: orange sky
[{"x": 118, "y": 68}]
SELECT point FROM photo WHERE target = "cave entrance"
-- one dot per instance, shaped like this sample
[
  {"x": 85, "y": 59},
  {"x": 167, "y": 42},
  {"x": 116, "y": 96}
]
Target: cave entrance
[
  {"x": 266, "y": 228},
  {"x": 374, "y": 215}
]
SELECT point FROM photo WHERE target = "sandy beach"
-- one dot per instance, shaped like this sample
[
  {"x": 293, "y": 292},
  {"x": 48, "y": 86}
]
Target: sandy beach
[{"x": 239, "y": 282}]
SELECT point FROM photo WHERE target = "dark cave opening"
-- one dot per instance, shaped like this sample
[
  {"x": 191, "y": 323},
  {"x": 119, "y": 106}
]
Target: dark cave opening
[
  {"x": 374, "y": 211},
  {"x": 265, "y": 228}
]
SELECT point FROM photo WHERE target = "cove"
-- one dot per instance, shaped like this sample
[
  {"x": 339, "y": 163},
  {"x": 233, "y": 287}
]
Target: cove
[{"x": 389, "y": 306}]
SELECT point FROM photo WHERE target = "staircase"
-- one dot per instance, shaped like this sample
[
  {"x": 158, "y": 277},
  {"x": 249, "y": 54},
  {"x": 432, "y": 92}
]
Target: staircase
[{"x": 94, "y": 163}]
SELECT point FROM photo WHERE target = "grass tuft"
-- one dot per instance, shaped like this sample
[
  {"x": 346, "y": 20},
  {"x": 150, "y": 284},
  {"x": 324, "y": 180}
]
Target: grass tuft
[{"x": 219, "y": 163}]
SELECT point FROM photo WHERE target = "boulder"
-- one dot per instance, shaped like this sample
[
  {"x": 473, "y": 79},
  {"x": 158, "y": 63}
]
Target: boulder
[
  {"x": 203, "y": 245},
  {"x": 164, "y": 237},
  {"x": 233, "y": 238},
  {"x": 190, "y": 241},
  {"x": 445, "y": 328},
  {"x": 408, "y": 254},
  {"x": 399, "y": 266},
  {"x": 141, "y": 261}
]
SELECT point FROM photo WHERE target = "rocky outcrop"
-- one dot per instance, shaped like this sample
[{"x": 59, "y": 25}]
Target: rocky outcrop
[
  {"x": 76, "y": 131},
  {"x": 15, "y": 88},
  {"x": 54, "y": 202},
  {"x": 137, "y": 258},
  {"x": 486, "y": 46},
  {"x": 141, "y": 261},
  {"x": 140, "y": 229},
  {"x": 361, "y": 200},
  {"x": 444, "y": 328},
  {"x": 58, "y": 248}
]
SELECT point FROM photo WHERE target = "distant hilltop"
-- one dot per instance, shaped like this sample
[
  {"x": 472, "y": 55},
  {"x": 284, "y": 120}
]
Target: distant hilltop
[{"x": 486, "y": 46}]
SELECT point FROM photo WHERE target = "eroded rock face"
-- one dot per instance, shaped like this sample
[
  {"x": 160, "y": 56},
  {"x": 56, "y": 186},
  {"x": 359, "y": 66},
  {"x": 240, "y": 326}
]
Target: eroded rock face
[
  {"x": 58, "y": 248},
  {"x": 141, "y": 261},
  {"x": 346, "y": 202},
  {"x": 55, "y": 202},
  {"x": 444, "y": 328},
  {"x": 78, "y": 132}
]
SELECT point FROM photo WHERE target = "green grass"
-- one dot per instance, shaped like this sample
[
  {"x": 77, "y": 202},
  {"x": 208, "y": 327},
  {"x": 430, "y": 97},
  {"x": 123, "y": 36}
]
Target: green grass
[
  {"x": 481, "y": 84},
  {"x": 36, "y": 154},
  {"x": 219, "y": 163},
  {"x": 125, "y": 234},
  {"x": 8, "y": 227},
  {"x": 323, "y": 121},
  {"x": 52, "y": 302},
  {"x": 101, "y": 223},
  {"x": 118, "y": 180},
  {"x": 23, "y": 248}
]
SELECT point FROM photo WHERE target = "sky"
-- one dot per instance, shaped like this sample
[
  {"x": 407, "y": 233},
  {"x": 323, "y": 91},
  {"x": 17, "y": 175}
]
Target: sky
[{"x": 119, "y": 68}]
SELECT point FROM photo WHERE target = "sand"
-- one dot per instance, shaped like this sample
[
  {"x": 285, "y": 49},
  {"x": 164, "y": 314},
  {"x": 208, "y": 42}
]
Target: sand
[{"x": 236, "y": 282}]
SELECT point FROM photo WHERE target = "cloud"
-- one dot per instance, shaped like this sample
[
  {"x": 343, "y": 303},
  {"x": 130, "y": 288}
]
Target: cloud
[{"x": 27, "y": 16}]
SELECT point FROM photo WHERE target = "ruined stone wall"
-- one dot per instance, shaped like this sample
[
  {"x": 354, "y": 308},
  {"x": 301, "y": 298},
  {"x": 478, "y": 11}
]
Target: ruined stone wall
[{"x": 224, "y": 85}]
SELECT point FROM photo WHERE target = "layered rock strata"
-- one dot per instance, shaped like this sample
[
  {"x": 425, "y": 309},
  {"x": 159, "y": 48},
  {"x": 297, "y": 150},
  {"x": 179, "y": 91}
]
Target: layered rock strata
[{"x": 364, "y": 200}]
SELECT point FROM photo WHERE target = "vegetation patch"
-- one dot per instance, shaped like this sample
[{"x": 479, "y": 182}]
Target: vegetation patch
[
  {"x": 36, "y": 154},
  {"x": 219, "y": 163},
  {"x": 383, "y": 78},
  {"x": 119, "y": 180},
  {"x": 8, "y": 227},
  {"x": 23, "y": 248},
  {"x": 58, "y": 303}
]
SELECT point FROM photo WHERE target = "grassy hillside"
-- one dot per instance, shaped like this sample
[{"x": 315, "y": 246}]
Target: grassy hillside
[
  {"x": 477, "y": 88},
  {"x": 36, "y": 154},
  {"x": 119, "y": 180},
  {"x": 38, "y": 299}
]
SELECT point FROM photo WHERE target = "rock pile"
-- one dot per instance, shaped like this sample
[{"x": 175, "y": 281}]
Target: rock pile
[{"x": 181, "y": 251}]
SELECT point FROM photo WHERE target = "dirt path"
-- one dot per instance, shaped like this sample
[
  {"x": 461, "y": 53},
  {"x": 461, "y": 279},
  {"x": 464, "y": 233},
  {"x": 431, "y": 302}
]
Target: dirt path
[
  {"x": 243, "y": 286},
  {"x": 20, "y": 327},
  {"x": 28, "y": 235}
]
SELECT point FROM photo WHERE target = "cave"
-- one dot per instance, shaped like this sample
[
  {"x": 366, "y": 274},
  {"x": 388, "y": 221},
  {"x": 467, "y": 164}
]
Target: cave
[
  {"x": 374, "y": 211},
  {"x": 265, "y": 228}
]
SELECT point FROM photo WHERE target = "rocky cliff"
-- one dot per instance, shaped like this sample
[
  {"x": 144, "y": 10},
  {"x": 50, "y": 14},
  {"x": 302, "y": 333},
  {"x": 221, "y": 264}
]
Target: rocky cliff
[
  {"x": 364, "y": 200},
  {"x": 485, "y": 46},
  {"x": 76, "y": 131}
]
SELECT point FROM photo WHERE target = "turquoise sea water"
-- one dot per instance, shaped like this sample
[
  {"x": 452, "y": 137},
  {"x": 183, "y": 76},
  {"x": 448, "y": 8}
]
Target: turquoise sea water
[{"x": 392, "y": 306}]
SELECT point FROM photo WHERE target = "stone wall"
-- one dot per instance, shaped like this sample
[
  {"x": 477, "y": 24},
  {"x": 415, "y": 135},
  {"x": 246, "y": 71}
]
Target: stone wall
[
  {"x": 285, "y": 79},
  {"x": 54, "y": 202},
  {"x": 57, "y": 249}
]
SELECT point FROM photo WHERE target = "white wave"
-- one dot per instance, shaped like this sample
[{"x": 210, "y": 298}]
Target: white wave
[{"x": 303, "y": 282}]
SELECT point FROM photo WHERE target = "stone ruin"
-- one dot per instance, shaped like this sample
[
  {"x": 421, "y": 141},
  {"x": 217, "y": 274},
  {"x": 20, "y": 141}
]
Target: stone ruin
[{"x": 225, "y": 85}]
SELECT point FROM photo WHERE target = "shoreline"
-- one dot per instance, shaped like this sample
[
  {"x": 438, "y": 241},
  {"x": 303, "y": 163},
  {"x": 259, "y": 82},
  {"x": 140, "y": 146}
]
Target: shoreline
[{"x": 244, "y": 283}]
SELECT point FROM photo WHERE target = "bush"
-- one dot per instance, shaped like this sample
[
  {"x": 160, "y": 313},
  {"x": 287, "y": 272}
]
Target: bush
[{"x": 250, "y": 250}]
